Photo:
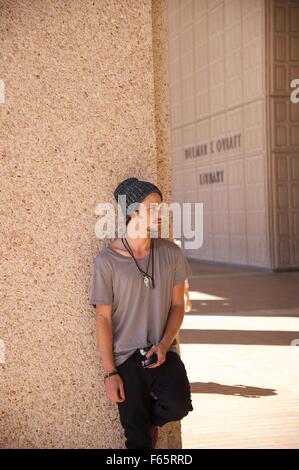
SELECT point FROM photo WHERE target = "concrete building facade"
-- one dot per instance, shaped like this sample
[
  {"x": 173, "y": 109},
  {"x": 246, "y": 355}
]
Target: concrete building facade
[{"x": 234, "y": 128}]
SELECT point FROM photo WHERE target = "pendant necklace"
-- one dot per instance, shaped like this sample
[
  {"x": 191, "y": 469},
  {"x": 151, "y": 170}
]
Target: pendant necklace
[{"x": 146, "y": 276}]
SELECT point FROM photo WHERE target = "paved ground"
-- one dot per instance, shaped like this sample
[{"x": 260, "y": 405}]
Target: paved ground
[{"x": 236, "y": 345}]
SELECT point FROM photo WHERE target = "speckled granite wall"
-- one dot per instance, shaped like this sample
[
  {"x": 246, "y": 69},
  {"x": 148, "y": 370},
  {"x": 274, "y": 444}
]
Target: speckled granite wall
[{"x": 79, "y": 115}]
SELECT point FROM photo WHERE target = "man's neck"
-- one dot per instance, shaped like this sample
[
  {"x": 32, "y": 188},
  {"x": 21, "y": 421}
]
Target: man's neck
[{"x": 139, "y": 245}]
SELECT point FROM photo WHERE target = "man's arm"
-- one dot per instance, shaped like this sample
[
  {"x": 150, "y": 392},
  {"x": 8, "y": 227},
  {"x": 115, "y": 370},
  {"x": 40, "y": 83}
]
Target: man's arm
[
  {"x": 188, "y": 303},
  {"x": 176, "y": 315},
  {"x": 104, "y": 336},
  {"x": 113, "y": 385},
  {"x": 174, "y": 322}
]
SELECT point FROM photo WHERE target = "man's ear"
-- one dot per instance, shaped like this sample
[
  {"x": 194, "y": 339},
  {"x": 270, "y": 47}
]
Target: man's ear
[{"x": 133, "y": 213}]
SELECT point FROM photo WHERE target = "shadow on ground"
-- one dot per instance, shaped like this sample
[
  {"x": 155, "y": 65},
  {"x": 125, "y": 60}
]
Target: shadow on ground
[{"x": 237, "y": 390}]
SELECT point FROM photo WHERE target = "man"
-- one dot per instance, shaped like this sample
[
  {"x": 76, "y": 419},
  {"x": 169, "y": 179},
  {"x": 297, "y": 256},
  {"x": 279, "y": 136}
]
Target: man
[{"x": 137, "y": 289}]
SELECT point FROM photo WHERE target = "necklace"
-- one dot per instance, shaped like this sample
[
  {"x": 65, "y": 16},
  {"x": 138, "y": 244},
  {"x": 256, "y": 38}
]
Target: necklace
[{"x": 145, "y": 274}]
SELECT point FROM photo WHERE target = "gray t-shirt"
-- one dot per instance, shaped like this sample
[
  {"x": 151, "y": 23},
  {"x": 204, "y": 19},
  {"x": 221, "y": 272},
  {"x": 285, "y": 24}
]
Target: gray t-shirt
[{"x": 139, "y": 313}]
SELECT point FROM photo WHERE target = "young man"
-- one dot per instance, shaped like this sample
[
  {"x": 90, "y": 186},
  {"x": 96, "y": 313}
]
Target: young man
[{"x": 137, "y": 289}]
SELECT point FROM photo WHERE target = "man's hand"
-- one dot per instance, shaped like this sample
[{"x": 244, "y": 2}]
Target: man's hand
[
  {"x": 161, "y": 351},
  {"x": 115, "y": 389},
  {"x": 188, "y": 304}
]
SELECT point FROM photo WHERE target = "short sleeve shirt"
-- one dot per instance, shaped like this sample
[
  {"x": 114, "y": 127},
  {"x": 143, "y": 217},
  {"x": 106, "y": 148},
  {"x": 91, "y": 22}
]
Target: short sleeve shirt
[{"x": 139, "y": 313}]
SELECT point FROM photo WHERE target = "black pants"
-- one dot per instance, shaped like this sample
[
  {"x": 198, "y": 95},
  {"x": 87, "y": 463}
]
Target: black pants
[{"x": 140, "y": 410}]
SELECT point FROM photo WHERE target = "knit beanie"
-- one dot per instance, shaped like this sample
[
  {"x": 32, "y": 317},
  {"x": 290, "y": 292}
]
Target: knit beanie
[{"x": 135, "y": 190}]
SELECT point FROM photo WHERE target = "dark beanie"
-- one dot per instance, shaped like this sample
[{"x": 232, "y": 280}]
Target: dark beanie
[{"x": 135, "y": 190}]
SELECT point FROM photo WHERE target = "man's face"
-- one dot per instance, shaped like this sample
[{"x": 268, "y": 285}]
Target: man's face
[{"x": 149, "y": 215}]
